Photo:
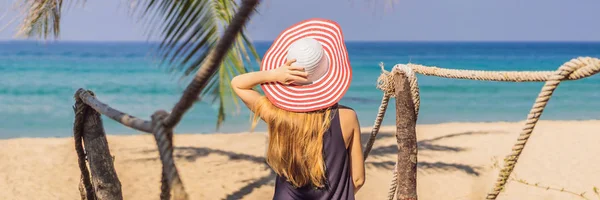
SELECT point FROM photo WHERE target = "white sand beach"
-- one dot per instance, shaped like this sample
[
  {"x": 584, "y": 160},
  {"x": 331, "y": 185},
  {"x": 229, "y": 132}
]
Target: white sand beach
[{"x": 456, "y": 161}]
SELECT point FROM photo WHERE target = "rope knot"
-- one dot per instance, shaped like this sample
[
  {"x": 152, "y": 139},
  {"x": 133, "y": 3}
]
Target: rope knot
[
  {"x": 386, "y": 80},
  {"x": 158, "y": 117},
  {"x": 579, "y": 67}
]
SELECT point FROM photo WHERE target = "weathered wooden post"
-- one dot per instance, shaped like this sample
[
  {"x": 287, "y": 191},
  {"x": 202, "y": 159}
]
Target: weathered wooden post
[
  {"x": 406, "y": 137},
  {"x": 104, "y": 179}
]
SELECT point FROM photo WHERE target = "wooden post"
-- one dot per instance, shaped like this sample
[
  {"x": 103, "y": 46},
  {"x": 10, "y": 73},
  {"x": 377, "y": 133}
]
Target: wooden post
[
  {"x": 406, "y": 137},
  {"x": 104, "y": 178}
]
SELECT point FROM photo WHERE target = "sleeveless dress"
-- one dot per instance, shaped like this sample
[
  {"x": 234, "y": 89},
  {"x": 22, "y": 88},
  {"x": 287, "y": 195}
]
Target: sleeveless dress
[{"x": 338, "y": 185}]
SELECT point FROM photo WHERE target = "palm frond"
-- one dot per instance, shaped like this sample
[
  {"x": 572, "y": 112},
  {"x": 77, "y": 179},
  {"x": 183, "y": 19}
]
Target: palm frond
[
  {"x": 42, "y": 18},
  {"x": 189, "y": 30}
]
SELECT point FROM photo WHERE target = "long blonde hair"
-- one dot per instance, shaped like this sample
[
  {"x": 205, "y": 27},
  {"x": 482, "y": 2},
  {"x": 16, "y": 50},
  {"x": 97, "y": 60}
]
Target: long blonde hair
[{"x": 295, "y": 148}]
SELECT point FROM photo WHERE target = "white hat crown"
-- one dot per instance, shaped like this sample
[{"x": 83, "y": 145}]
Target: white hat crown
[
  {"x": 318, "y": 47},
  {"x": 309, "y": 54}
]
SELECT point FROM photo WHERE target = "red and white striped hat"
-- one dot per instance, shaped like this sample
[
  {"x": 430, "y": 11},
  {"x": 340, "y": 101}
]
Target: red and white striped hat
[{"x": 318, "y": 45}]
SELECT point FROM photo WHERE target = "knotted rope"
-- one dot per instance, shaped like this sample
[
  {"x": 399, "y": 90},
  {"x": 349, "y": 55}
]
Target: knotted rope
[
  {"x": 170, "y": 176},
  {"x": 162, "y": 123},
  {"x": 376, "y": 125},
  {"x": 382, "y": 83},
  {"x": 572, "y": 70},
  {"x": 80, "y": 109},
  {"x": 386, "y": 83}
]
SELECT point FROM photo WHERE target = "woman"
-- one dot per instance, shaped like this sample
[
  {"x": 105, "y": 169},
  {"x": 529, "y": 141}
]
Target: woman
[{"x": 314, "y": 143}]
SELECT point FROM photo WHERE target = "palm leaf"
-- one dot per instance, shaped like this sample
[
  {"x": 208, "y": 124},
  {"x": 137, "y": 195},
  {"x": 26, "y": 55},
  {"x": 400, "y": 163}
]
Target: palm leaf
[
  {"x": 42, "y": 18},
  {"x": 189, "y": 29}
]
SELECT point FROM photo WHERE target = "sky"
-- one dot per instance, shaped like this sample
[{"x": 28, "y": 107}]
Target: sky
[{"x": 362, "y": 20}]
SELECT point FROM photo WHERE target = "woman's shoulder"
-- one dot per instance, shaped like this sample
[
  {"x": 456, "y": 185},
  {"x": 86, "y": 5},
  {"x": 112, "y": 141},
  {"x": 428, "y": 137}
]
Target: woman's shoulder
[
  {"x": 343, "y": 107},
  {"x": 347, "y": 114},
  {"x": 348, "y": 122}
]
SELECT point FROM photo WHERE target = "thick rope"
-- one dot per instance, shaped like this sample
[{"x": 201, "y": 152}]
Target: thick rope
[
  {"x": 574, "y": 69},
  {"x": 577, "y": 68},
  {"x": 165, "y": 189},
  {"x": 170, "y": 179},
  {"x": 386, "y": 82},
  {"x": 80, "y": 109},
  {"x": 369, "y": 146},
  {"x": 414, "y": 86},
  {"x": 394, "y": 185},
  {"x": 376, "y": 125},
  {"x": 507, "y": 76}
]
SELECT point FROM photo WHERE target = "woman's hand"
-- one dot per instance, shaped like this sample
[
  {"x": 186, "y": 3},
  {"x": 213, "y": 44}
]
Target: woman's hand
[{"x": 287, "y": 74}]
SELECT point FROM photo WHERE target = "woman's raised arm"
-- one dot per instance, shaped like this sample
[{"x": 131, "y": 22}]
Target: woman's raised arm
[{"x": 242, "y": 84}]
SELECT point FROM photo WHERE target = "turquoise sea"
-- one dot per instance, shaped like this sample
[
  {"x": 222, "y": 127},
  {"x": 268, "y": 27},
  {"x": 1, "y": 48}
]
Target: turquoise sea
[{"x": 37, "y": 83}]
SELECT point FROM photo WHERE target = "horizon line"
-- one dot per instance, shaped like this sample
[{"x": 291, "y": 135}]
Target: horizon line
[{"x": 372, "y": 41}]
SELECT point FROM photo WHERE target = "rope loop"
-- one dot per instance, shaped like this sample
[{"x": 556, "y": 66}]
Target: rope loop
[
  {"x": 385, "y": 82},
  {"x": 170, "y": 179},
  {"x": 574, "y": 69}
]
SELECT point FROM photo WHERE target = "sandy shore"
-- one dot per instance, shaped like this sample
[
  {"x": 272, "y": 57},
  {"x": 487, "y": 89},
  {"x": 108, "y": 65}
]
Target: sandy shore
[{"x": 456, "y": 161}]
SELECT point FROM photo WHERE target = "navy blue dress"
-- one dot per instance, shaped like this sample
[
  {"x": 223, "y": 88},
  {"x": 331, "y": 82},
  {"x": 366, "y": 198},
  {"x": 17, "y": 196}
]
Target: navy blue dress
[{"x": 339, "y": 184}]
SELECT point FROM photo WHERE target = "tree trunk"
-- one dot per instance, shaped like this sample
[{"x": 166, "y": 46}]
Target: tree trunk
[
  {"x": 407, "y": 140},
  {"x": 104, "y": 177},
  {"x": 211, "y": 63}
]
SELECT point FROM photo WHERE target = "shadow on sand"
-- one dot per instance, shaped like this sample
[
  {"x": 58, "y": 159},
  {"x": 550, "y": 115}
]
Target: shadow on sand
[
  {"x": 426, "y": 167},
  {"x": 428, "y": 145},
  {"x": 425, "y": 145},
  {"x": 265, "y": 180},
  {"x": 193, "y": 153}
]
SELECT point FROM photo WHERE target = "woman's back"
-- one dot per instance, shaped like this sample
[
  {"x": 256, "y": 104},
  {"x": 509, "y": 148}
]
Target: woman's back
[
  {"x": 303, "y": 75},
  {"x": 338, "y": 184}
]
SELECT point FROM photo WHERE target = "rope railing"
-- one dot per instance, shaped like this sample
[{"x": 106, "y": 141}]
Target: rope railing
[
  {"x": 574, "y": 69},
  {"x": 121, "y": 117},
  {"x": 586, "y": 69},
  {"x": 385, "y": 82},
  {"x": 162, "y": 123}
]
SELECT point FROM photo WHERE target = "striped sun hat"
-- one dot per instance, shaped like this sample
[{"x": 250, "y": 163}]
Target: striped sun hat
[{"x": 318, "y": 46}]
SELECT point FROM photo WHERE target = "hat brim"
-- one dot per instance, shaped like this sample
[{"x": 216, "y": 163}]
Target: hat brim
[{"x": 322, "y": 93}]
